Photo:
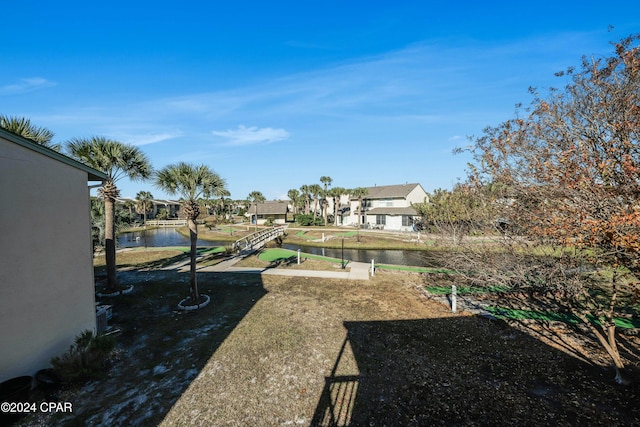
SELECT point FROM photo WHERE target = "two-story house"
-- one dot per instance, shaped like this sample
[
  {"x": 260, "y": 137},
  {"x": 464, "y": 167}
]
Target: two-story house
[{"x": 387, "y": 207}]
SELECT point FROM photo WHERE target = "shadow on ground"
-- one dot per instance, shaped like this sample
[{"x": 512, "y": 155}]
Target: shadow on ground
[
  {"x": 447, "y": 372},
  {"x": 160, "y": 350}
]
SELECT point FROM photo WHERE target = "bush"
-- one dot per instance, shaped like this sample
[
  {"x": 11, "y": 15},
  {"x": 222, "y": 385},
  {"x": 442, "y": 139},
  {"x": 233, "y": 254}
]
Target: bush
[
  {"x": 162, "y": 214},
  {"x": 86, "y": 357},
  {"x": 308, "y": 220}
]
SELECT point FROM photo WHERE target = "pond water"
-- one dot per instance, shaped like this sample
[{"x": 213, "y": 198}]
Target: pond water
[{"x": 160, "y": 237}]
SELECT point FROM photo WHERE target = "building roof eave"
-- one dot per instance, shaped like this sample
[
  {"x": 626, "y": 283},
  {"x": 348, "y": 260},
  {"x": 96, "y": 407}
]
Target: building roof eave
[{"x": 92, "y": 174}]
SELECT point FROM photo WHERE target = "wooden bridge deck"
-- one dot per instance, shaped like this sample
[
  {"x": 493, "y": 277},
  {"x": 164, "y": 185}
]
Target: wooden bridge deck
[{"x": 258, "y": 239}]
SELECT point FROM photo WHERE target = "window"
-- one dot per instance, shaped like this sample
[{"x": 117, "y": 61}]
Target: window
[
  {"x": 381, "y": 219},
  {"x": 407, "y": 220}
]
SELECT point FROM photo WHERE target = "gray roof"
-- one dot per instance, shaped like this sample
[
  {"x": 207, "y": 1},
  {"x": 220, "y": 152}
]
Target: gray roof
[
  {"x": 390, "y": 191},
  {"x": 392, "y": 211},
  {"x": 92, "y": 174},
  {"x": 270, "y": 208}
]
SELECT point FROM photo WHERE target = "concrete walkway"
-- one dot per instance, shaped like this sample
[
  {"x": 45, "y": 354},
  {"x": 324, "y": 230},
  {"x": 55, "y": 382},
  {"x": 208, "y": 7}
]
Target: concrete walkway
[{"x": 357, "y": 270}]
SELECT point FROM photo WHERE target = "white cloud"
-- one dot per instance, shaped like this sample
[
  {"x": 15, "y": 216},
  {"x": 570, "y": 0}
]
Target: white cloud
[
  {"x": 26, "y": 85},
  {"x": 148, "y": 138},
  {"x": 252, "y": 135}
]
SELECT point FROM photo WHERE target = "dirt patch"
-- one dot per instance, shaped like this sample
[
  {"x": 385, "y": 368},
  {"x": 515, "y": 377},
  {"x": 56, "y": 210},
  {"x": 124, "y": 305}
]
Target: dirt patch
[{"x": 301, "y": 351}]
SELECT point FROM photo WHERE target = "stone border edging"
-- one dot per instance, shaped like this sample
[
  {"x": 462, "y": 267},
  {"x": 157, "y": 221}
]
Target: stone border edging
[
  {"x": 194, "y": 307},
  {"x": 115, "y": 294}
]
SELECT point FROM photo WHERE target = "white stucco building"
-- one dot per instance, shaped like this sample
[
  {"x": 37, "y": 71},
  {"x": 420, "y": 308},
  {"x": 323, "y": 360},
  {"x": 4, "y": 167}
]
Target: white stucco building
[
  {"x": 386, "y": 207},
  {"x": 46, "y": 260}
]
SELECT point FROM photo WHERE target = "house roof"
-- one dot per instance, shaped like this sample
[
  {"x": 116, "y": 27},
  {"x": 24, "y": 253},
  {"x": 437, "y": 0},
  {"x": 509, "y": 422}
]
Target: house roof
[
  {"x": 270, "y": 208},
  {"x": 93, "y": 174},
  {"x": 154, "y": 201},
  {"x": 390, "y": 191},
  {"x": 166, "y": 202},
  {"x": 392, "y": 211}
]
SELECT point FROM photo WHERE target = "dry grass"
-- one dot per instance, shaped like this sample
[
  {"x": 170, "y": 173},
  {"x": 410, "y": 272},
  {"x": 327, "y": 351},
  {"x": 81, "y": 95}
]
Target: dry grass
[
  {"x": 275, "y": 351},
  {"x": 139, "y": 258},
  {"x": 254, "y": 261}
]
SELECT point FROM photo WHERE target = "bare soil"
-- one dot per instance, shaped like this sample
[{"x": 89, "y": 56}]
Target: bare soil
[{"x": 273, "y": 350}]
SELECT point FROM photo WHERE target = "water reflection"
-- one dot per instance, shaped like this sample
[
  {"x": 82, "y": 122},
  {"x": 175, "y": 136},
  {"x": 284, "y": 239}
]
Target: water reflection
[
  {"x": 398, "y": 257},
  {"x": 159, "y": 237},
  {"x": 170, "y": 237}
]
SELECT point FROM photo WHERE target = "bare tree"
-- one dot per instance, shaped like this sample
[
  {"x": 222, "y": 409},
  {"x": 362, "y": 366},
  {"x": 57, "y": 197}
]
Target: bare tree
[{"x": 569, "y": 172}]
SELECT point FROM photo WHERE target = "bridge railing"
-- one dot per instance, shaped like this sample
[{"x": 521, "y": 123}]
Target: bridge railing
[
  {"x": 167, "y": 222},
  {"x": 259, "y": 238}
]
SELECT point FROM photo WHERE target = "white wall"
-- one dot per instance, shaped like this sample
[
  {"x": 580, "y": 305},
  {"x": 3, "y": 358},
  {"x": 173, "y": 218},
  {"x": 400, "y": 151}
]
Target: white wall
[
  {"x": 417, "y": 195},
  {"x": 46, "y": 273}
]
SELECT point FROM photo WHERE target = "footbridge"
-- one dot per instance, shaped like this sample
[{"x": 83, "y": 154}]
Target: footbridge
[{"x": 258, "y": 239}]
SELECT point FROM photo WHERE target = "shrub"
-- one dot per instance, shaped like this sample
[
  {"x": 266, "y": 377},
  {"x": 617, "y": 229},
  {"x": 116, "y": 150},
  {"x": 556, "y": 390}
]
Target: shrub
[
  {"x": 162, "y": 214},
  {"x": 86, "y": 357},
  {"x": 308, "y": 220}
]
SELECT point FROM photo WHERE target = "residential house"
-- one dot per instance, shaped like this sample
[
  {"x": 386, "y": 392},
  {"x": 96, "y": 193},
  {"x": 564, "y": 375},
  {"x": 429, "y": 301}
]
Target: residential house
[
  {"x": 274, "y": 211},
  {"x": 386, "y": 207},
  {"x": 46, "y": 259},
  {"x": 156, "y": 206}
]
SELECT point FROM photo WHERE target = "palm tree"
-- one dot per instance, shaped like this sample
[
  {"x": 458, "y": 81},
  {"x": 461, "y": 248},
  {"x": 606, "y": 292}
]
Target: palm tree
[
  {"x": 97, "y": 222},
  {"x": 294, "y": 195},
  {"x": 23, "y": 127},
  {"x": 326, "y": 180},
  {"x": 336, "y": 193},
  {"x": 144, "y": 200},
  {"x": 359, "y": 193},
  {"x": 315, "y": 191},
  {"x": 116, "y": 160},
  {"x": 222, "y": 193},
  {"x": 256, "y": 197},
  {"x": 191, "y": 183},
  {"x": 130, "y": 205},
  {"x": 306, "y": 195}
]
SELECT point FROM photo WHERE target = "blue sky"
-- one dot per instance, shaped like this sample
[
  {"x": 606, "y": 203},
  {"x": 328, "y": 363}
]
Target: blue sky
[{"x": 274, "y": 95}]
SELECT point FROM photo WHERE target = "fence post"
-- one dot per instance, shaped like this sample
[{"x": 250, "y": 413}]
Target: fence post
[
  {"x": 298, "y": 256},
  {"x": 373, "y": 268},
  {"x": 454, "y": 299}
]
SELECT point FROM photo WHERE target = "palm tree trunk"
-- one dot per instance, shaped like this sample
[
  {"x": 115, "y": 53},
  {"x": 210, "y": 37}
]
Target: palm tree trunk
[
  {"x": 110, "y": 244},
  {"x": 193, "y": 234},
  {"x": 325, "y": 205},
  {"x": 256, "y": 227}
]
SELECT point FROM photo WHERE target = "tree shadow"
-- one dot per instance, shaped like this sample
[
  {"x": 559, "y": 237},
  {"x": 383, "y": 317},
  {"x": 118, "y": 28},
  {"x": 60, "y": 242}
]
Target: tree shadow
[
  {"x": 285, "y": 262},
  {"x": 160, "y": 349},
  {"x": 464, "y": 371}
]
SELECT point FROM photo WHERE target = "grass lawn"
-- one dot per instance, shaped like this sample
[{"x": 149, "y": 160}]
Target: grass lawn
[
  {"x": 275, "y": 350},
  {"x": 303, "y": 235},
  {"x": 284, "y": 258},
  {"x": 446, "y": 290},
  {"x": 512, "y": 313},
  {"x": 224, "y": 233},
  {"x": 414, "y": 269},
  {"x": 368, "y": 240},
  {"x": 140, "y": 258}
]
